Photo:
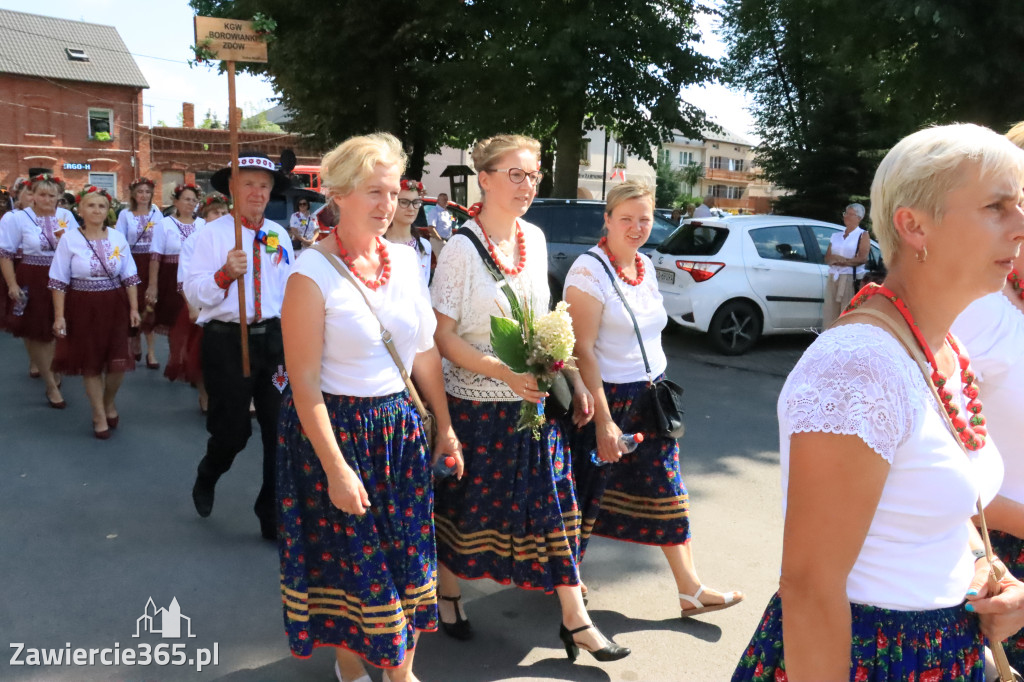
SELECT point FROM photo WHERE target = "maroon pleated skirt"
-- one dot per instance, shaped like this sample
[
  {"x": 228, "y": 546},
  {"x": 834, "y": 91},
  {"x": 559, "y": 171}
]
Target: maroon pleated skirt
[
  {"x": 168, "y": 301},
  {"x": 4, "y": 304},
  {"x": 36, "y": 323},
  {"x": 185, "y": 360},
  {"x": 142, "y": 265},
  {"x": 97, "y": 339}
]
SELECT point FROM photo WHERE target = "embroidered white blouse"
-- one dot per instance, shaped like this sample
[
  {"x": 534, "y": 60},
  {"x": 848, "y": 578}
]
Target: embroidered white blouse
[
  {"x": 93, "y": 266},
  {"x": 464, "y": 290},
  {"x": 138, "y": 230},
  {"x": 35, "y": 237},
  {"x": 355, "y": 361},
  {"x": 169, "y": 235},
  {"x": 858, "y": 380},
  {"x": 304, "y": 225},
  {"x": 617, "y": 349},
  {"x": 992, "y": 331}
]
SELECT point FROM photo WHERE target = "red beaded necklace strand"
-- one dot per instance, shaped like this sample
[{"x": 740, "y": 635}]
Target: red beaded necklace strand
[
  {"x": 382, "y": 251},
  {"x": 520, "y": 242},
  {"x": 972, "y": 431},
  {"x": 1015, "y": 281},
  {"x": 637, "y": 262}
]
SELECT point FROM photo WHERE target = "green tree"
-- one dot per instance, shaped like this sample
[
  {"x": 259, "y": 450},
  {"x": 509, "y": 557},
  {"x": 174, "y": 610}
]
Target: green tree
[
  {"x": 667, "y": 186},
  {"x": 691, "y": 174}
]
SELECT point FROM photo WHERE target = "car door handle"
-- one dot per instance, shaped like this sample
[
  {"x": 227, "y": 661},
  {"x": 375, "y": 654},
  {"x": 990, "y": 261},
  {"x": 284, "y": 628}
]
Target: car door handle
[
  {"x": 759, "y": 267},
  {"x": 560, "y": 256}
]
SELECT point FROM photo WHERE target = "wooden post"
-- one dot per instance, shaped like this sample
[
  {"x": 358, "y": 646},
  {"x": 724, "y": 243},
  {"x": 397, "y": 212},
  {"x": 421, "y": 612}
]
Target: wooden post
[{"x": 243, "y": 318}]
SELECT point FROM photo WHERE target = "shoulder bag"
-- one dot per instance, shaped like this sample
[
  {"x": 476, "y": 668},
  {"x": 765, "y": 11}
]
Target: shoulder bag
[
  {"x": 998, "y": 570},
  {"x": 558, "y": 404},
  {"x": 663, "y": 407},
  {"x": 429, "y": 427}
]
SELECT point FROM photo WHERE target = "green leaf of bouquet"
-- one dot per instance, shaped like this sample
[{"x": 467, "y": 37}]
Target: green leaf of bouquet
[{"x": 507, "y": 341}]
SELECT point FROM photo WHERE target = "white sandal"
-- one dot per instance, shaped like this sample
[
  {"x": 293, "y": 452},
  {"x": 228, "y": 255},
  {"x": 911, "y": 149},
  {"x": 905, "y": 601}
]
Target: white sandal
[
  {"x": 731, "y": 599},
  {"x": 337, "y": 673}
]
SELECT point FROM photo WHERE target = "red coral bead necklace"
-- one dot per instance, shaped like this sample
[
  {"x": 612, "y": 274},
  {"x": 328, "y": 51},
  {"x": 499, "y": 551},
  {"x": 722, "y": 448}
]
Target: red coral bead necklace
[
  {"x": 971, "y": 430},
  {"x": 520, "y": 244},
  {"x": 382, "y": 251},
  {"x": 637, "y": 262},
  {"x": 1015, "y": 281}
]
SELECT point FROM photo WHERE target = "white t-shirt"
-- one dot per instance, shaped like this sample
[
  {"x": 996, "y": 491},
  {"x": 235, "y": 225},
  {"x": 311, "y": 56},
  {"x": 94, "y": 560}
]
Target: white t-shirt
[
  {"x": 845, "y": 247},
  {"x": 169, "y": 235},
  {"x": 442, "y": 222},
  {"x": 93, "y": 267},
  {"x": 702, "y": 211},
  {"x": 138, "y": 230},
  {"x": 858, "y": 380},
  {"x": 617, "y": 350},
  {"x": 422, "y": 258},
  {"x": 464, "y": 290},
  {"x": 209, "y": 253},
  {"x": 992, "y": 331},
  {"x": 34, "y": 237},
  {"x": 355, "y": 360}
]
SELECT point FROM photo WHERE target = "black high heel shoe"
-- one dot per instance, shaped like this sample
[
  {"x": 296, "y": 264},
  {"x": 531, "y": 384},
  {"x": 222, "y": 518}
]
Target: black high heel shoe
[
  {"x": 460, "y": 629},
  {"x": 612, "y": 652}
]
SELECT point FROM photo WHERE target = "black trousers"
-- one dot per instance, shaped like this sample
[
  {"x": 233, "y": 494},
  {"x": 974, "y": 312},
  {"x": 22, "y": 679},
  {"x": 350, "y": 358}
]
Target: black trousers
[{"x": 227, "y": 418}]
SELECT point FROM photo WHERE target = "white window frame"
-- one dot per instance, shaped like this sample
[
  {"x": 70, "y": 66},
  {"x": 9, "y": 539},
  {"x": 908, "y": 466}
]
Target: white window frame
[
  {"x": 98, "y": 110},
  {"x": 620, "y": 153},
  {"x": 716, "y": 162},
  {"x": 585, "y": 152},
  {"x": 108, "y": 181}
]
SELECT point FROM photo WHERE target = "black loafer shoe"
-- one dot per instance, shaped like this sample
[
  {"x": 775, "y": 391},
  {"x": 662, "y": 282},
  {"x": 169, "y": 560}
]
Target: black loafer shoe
[{"x": 202, "y": 496}]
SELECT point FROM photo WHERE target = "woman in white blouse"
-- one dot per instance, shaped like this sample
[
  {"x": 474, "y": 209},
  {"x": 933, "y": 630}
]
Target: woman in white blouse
[
  {"x": 169, "y": 235},
  {"x": 641, "y": 496},
  {"x": 516, "y": 502},
  {"x": 302, "y": 226},
  {"x": 137, "y": 223},
  {"x": 94, "y": 284},
  {"x": 846, "y": 255},
  {"x": 401, "y": 230},
  {"x": 879, "y": 550},
  {"x": 33, "y": 236},
  {"x": 353, "y": 483},
  {"x": 21, "y": 196}
]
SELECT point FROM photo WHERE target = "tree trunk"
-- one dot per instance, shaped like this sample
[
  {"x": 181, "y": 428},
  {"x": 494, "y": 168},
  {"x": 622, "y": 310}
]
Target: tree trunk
[
  {"x": 547, "y": 164},
  {"x": 568, "y": 139},
  {"x": 387, "y": 114},
  {"x": 417, "y": 158}
]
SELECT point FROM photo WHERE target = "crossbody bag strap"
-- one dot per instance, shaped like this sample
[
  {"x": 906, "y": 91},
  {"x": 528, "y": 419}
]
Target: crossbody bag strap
[
  {"x": 385, "y": 335},
  {"x": 632, "y": 317},
  {"x": 101, "y": 261}
]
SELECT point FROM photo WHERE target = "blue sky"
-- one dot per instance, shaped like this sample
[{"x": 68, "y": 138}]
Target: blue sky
[{"x": 164, "y": 30}]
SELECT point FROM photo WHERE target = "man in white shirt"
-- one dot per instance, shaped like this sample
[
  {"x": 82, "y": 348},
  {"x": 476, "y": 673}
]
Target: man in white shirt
[
  {"x": 442, "y": 220},
  {"x": 704, "y": 210},
  {"x": 211, "y": 284}
]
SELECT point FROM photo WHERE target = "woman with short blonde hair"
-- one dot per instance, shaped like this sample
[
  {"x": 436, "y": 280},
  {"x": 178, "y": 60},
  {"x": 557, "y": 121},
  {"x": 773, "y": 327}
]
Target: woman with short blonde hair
[{"x": 353, "y": 478}]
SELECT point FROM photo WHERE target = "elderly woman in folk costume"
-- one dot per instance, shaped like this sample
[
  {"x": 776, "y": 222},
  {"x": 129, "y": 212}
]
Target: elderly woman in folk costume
[
  {"x": 137, "y": 223},
  {"x": 21, "y": 198}
]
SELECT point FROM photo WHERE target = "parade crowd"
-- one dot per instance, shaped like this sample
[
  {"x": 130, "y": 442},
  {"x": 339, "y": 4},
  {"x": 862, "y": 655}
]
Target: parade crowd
[{"x": 396, "y": 459}]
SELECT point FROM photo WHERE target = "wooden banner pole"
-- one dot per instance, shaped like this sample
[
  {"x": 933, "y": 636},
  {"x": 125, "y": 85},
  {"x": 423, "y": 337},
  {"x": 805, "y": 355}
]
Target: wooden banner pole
[{"x": 243, "y": 321}]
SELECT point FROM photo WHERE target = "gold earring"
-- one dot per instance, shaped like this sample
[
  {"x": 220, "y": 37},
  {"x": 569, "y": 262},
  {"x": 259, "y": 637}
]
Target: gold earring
[{"x": 922, "y": 255}]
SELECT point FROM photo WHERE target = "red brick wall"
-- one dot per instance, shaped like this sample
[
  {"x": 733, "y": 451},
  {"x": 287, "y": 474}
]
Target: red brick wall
[{"x": 45, "y": 124}]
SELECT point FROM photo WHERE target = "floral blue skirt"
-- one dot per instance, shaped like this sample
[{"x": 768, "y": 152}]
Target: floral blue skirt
[
  {"x": 1011, "y": 550},
  {"x": 513, "y": 517},
  {"x": 642, "y": 497},
  {"x": 363, "y": 583},
  {"x": 888, "y": 646}
]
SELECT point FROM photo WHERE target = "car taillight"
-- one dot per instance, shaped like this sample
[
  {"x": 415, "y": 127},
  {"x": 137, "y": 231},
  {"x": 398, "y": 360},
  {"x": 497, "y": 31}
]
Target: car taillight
[{"x": 699, "y": 270}]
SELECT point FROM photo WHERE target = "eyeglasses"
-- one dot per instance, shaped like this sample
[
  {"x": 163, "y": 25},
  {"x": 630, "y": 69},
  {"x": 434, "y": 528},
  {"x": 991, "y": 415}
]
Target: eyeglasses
[
  {"x": 410, "y": 203},
  {"x": 517, "y": 175}
]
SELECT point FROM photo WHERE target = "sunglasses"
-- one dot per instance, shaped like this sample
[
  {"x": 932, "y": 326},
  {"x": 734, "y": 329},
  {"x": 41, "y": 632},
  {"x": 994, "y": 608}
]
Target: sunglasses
[
  {"x": 517, "y": 175},
  {"x": 410, "y": 203}
]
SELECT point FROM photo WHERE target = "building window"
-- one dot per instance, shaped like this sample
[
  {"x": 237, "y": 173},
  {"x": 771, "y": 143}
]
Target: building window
[
  {"x": 101, "y": 124},
  {"x": 736, "y": 164},
  {"x": 685, "y": 158},
  {"x": 620, "y": 154},
  {"x": 734, "y": 193},
  {"x": 76, "y": 54},
  {"x": 107, "y": 181},
  {"x": 716, "y": 162},
  {"x": 585, "y": 152}
]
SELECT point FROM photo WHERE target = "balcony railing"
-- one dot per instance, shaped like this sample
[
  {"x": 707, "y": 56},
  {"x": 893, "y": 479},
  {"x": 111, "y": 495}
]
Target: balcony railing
[{"x": 723, "y": 174}]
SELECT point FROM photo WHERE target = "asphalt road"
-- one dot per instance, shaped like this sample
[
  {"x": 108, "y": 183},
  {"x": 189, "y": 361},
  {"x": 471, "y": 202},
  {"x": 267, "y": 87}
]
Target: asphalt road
[{"x": 91, "y": 530}]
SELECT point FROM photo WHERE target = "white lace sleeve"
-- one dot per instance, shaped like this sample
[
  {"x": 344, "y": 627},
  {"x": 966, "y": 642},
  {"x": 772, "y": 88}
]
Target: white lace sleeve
[
  {"x": 854, "y": 380},
  {"x": 582, "y": 276},
  {"x": 448, "y": 290}
]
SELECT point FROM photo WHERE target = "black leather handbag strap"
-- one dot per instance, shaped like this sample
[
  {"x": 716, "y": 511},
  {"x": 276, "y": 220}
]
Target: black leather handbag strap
[{"x": 636, "y": 327}]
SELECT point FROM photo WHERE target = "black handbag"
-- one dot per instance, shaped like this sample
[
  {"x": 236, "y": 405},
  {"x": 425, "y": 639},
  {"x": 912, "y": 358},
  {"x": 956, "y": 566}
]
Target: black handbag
[
  {"x": 558, "y": 404},
  {"x": 662, "y": 408}
]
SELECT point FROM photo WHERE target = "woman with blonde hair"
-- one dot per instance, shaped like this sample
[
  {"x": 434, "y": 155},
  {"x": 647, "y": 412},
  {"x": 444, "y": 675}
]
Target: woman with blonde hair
[
  {"x": 353, "y": 480},
  {"x": 516, "y": 503},
  {"x": 641, "y": 496},
  {"x": 33, "y": 236},
  {"x": 93, "y": 283},
  {"x": 137, "y": 223},
  {"x": 884, "y": 445}
]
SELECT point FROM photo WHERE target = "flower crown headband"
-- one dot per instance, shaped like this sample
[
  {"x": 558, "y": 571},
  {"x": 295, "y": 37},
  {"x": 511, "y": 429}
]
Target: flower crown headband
[
  {"x": 47, "y": 177},
  {"x": 93, "y": 189},
  {"x": 139, "y": 183},
  {"x": 24, "y": 183},
  {"x": 181, "y": 188},
  {"x": 214, "y": 199},
  {"x": 412, "y": 184}
]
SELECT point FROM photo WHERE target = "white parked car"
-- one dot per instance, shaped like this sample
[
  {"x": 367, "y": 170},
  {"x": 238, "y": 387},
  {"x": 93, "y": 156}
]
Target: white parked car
[{"x": 739, "y": 277}]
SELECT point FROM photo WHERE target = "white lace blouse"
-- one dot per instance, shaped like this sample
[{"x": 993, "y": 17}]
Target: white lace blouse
[
  {"x": 464, "y": 290},
  {"x": 858, "y": 380},
  {"x": 617, "y": 349},
  {"x": 992, "y": 331}
]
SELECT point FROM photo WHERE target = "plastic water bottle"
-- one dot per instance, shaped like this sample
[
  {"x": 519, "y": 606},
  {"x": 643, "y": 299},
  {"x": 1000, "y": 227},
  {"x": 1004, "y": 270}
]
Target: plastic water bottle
[
  {"x": 445, "y": 467},
  {"x": 19, "y": 306},
  {"x": 628, "y": 442}
]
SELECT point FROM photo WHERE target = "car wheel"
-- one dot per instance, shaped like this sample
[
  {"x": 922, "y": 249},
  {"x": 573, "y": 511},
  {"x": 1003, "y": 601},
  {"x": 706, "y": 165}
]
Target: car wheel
[{"x": 735, "y": 328}]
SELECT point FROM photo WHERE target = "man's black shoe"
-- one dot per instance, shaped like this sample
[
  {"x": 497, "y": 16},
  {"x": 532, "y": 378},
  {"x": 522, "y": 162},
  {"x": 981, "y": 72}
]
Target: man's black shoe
[{"x": 202, "y": 496}]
